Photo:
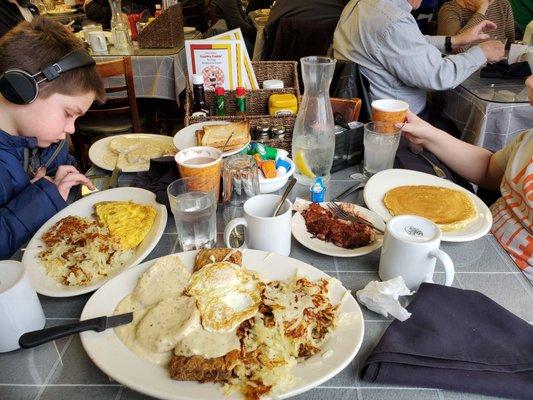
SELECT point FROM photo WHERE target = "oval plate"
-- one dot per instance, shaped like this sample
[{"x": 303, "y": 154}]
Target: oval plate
[
  {"x": 47, "y": 285},
  {"x": 379, "y": 184},
  {"x": 300, "y": 233},
  {"x": 121, "y": 364}
]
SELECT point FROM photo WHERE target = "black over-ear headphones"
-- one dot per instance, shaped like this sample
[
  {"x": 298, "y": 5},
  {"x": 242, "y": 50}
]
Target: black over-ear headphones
[{"x": 21, "y": 87}]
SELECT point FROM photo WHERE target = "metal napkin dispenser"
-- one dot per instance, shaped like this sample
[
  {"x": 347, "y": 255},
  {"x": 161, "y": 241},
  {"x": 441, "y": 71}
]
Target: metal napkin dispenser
[{"x": 348, "y": 145}]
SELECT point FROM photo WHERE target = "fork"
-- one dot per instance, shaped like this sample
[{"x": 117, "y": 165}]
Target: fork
[{"x": 340, "y": 213}]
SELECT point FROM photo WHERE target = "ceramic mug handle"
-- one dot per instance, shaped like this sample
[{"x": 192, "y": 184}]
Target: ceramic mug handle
[
  {"x": 448, "y": 265},
  {"x": 232, "y": 225}
]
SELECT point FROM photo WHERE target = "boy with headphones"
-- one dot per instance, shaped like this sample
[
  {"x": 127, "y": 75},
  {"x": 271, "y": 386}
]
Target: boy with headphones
[{"x": 47, "y": 80}]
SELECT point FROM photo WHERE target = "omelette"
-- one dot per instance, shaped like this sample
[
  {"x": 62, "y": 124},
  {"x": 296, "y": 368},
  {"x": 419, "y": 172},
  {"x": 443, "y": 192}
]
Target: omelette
[
  {"x": 449, "y": 209},
  {"x": 128, "y": 221}
]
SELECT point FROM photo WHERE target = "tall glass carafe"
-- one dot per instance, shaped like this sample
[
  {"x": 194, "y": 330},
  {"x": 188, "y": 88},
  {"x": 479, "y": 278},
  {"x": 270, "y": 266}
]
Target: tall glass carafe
[
  {"x": 120, "y": 28},
  {"x": 313, "y": 140}
]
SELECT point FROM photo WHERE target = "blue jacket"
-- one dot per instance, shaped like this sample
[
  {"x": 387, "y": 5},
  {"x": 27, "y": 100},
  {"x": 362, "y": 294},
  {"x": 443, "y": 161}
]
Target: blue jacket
[{"x": 25, "y": 207}]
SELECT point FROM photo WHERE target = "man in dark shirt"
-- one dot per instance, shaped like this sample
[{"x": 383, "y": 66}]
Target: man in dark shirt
[
  {"x": 232, "y": 11},
  {"x": 310, "y": 10},
  {"x": 100, "y": 10}
]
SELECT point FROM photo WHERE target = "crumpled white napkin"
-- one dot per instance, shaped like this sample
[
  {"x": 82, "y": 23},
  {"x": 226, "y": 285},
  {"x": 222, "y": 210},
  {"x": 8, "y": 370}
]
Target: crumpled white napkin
[{"x": 382, "y": 297}]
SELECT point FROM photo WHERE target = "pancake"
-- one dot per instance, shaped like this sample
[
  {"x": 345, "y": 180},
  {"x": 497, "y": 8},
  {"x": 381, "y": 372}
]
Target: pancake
[{"x": 450, "y": 209}]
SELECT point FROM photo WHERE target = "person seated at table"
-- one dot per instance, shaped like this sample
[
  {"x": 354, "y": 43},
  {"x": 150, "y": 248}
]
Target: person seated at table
[
  {"x": 308, "y": 10},
  {"x": 258, "y": 5},
  {"x": 32, "y": 133},
  {"x": 383, "y": 38},
  {"x": 14, "y": 11},
  {"x": 233, "y": 12},
  {"x": 100, "y": 10},
  {"x": 457, "y": 16},
  {"x": 509, "y": 169}
]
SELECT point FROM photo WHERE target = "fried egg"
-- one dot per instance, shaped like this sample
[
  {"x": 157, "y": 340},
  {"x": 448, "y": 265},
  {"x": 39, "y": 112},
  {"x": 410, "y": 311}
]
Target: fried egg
[
  {"x": 226, "y": 295},
  {"x": 128, "y": 221}
]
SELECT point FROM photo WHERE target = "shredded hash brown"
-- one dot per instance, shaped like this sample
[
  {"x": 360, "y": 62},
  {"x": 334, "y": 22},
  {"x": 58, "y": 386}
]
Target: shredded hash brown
[
  {"x": 295, "y": 318},
  {"x": 80, "y": 251}
]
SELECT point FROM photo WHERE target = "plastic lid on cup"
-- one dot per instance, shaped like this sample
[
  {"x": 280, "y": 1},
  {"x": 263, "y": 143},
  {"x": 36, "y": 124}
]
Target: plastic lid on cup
[{"x": 197, "y": 79}]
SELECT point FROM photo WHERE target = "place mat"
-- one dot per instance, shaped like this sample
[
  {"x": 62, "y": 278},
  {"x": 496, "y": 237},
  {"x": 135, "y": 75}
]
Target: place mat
[{"x": 162, "y": 172}]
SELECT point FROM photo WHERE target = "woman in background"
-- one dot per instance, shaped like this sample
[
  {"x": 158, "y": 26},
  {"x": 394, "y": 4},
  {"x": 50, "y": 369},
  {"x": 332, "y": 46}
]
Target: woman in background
[{"x": 457, "y": 16}]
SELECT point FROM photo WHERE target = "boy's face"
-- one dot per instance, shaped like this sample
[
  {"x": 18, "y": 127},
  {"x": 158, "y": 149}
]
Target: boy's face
[{"x": 51, "y": 119}]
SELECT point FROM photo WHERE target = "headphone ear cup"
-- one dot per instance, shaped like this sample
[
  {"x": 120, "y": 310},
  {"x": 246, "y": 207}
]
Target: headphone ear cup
[{"x": 18, "y": 87}]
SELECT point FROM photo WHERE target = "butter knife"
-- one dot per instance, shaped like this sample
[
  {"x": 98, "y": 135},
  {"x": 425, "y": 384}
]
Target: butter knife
[{"x": 100, "y": 324}]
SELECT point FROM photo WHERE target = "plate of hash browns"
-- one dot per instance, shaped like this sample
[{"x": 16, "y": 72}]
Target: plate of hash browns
[
  {"x": 93, "y": 239},
  {"x": 224, "y": 324},
  {"x": 315, "y": 227}
]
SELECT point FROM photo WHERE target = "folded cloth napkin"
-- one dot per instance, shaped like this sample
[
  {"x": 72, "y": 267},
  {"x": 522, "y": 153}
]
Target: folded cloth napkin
[
  {"x": 502, "y": 70},
  {"x": 162, "y": 172},
  {"x": 457, "y": 340}
]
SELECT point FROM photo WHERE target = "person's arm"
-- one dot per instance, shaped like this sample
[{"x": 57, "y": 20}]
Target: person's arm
[
  {"x": 475, "y": 164},
  {"x": 23, "y": 215},
  {"x": 404, "y": 52}
]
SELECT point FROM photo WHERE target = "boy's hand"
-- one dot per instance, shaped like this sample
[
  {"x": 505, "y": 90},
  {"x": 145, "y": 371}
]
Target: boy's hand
[
  {"x": 529, "y": 87},
  {"x": 66, "y": 177},
  {"x": 416, "y": 130}
]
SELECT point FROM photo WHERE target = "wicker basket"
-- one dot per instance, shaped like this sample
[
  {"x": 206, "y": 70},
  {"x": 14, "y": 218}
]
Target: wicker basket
[
  {"x": 256, "y": 101},
  {"x": 166, "y": 31}
]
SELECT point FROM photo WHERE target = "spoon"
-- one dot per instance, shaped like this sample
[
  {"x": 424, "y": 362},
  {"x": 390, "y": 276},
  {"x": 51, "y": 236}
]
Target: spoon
[
  {"x": 418, "y": 150},
  {"x": 291, "y": 184}
]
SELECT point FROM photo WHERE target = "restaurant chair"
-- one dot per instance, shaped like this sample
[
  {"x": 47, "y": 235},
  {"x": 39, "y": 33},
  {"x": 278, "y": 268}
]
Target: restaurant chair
[{"x": 117, "y": 116}]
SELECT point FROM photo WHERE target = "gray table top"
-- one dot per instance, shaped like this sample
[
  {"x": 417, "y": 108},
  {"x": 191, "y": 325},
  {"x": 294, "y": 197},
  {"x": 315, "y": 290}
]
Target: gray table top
[{"x": 62, "y": 369}]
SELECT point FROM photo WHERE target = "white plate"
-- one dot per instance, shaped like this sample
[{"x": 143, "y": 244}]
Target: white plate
[
  {"x": 186, "y": 137},
  {"x": 103, "y": 157},
  {"x": 48, "y": 286},
  {"x": 301, "y": 234},
  {"x": 121, "y": 364},
  {"x": 379, "y": 184}
]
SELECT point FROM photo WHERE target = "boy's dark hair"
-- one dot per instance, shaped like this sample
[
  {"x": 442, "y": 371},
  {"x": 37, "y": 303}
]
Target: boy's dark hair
[{"x": 31, "y": 46}]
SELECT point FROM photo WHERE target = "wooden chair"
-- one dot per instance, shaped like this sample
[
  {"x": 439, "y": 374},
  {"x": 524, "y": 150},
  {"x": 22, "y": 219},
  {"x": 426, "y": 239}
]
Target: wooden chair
[
  {"x": 118, "y": 115},
  {"x": 347, "y": 109}
]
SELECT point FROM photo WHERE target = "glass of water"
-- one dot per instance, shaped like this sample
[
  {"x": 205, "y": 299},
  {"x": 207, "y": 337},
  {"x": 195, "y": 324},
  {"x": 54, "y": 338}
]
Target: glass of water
[
  {"x": 193, "y": 201},
  {"x": 380, "y": 148}
]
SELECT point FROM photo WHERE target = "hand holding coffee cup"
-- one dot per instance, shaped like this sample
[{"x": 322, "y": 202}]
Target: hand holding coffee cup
[
  {"x": 410, "y": 249},
  {"x": 388, "y": 112},
  {"x": 264, "y": 232}
]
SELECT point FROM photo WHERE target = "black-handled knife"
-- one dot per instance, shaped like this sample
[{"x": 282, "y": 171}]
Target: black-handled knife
[{"x": 100, "y": 324}]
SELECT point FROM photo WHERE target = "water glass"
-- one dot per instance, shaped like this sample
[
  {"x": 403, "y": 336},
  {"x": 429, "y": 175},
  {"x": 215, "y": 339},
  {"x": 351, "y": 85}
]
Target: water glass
[
  {"x": 193, "y": 202},
  {"x": 380, "y": 147}
]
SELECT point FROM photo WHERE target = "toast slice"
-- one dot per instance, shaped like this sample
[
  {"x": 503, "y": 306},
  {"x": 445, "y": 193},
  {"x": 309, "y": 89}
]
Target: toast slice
[
  {"x": 216, "y": 135},
  {"x": 209, "y": 256}
]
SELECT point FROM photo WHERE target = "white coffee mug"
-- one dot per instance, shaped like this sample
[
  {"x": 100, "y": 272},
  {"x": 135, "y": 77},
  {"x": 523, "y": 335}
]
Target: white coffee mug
[
  {"x": 20, "y": 310},
  {"x": 410, "y": 249},
  {"x": 90, "y": 28},
  {"x": 264, "y": 232},
  {"x": 97, "y": 41}
]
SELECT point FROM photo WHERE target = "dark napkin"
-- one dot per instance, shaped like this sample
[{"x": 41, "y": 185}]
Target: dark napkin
[
  {"x": 456, "y": 340},
  {"x": 162, "y": 172},
  {"x": 502, "y": 70}
]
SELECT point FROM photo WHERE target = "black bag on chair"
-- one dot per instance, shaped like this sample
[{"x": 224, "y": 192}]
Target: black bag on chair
[{"x": 348, "y": 82}]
